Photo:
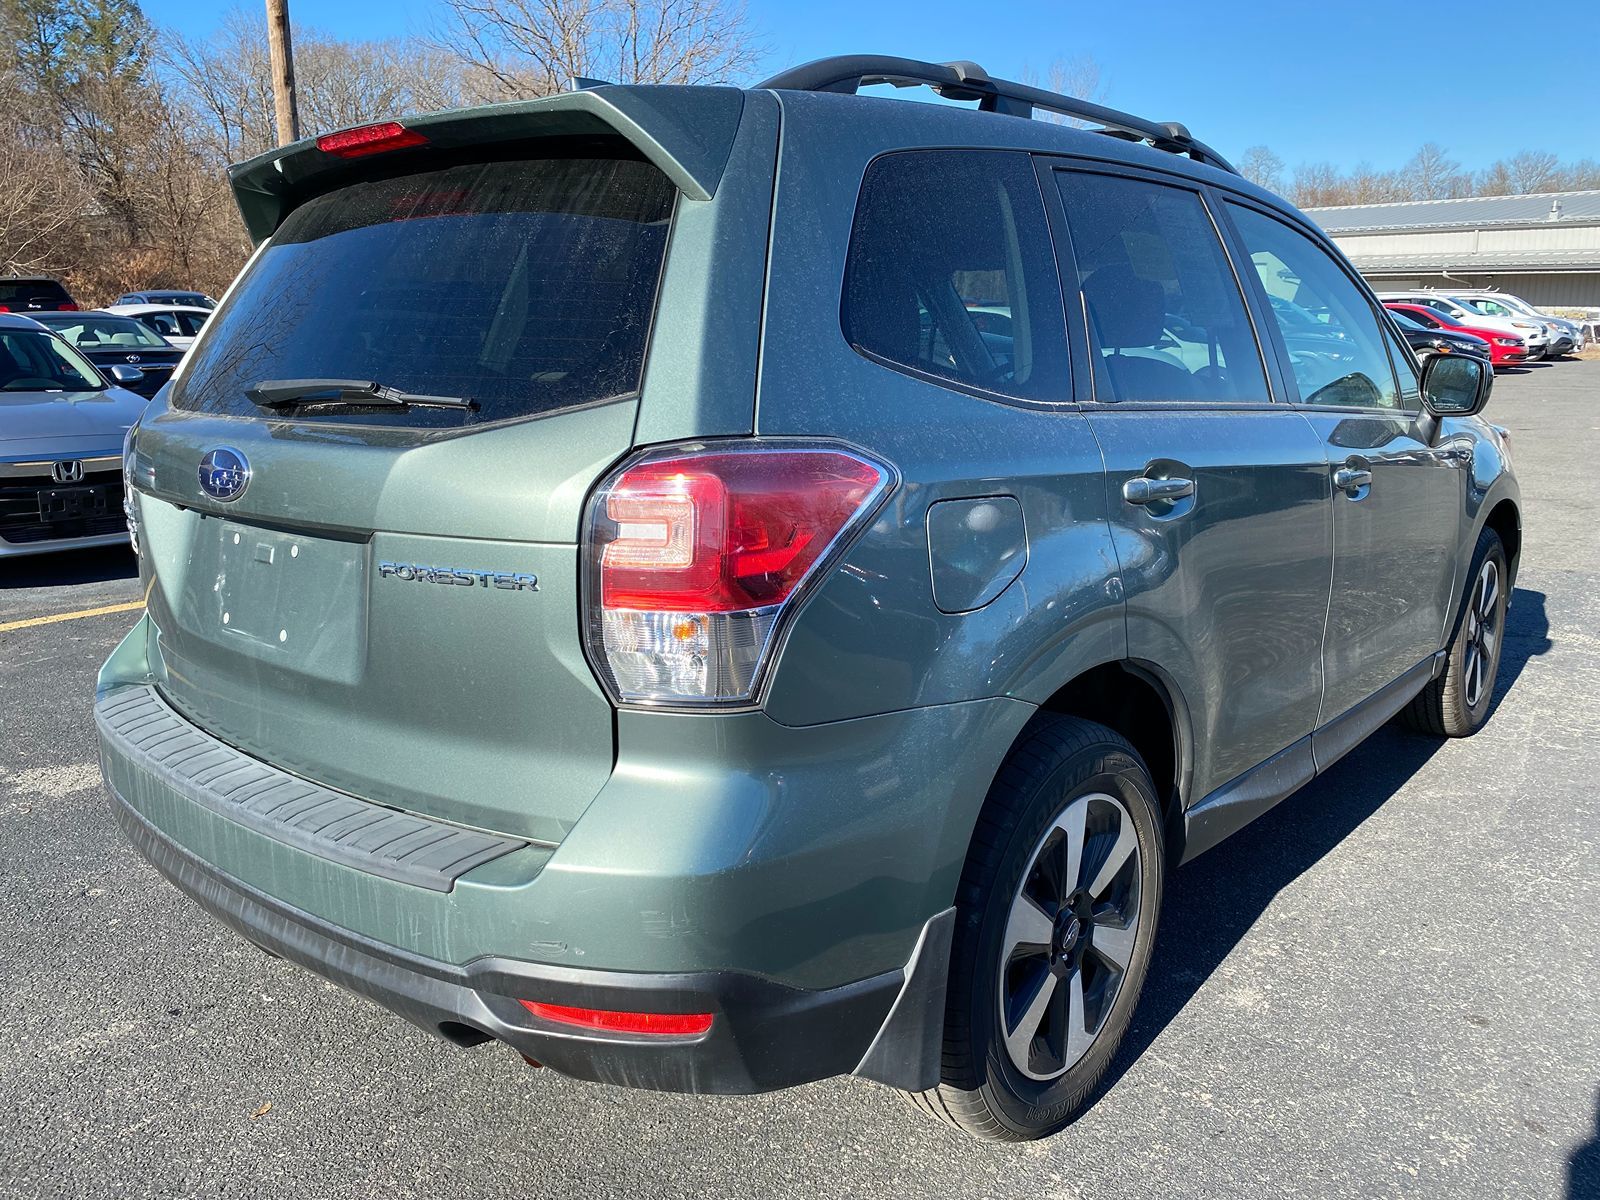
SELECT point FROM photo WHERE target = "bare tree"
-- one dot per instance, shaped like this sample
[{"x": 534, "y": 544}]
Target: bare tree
[
  {"x": 1368, "y": 185},
  {"x": 1429, "y": 174},
  {"x": 44, "y": 201},
  {"x": 1263, "y": 168},
  {"x": 1533, "y": 171},
  {"x": 1318, "y": 184},
  {"x": 1079, "y": 77},
  {"x": 1496, "y": 181},
  {"x": 515, "y": 49},
  {"x": 1583, "y": 175},
  {"x": 338, "y": 83}
]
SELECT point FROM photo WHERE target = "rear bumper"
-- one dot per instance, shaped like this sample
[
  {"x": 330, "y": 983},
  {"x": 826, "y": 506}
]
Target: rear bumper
[
  {"x": 763, "y": 1036},
  {"x": 794, "y": 882}
]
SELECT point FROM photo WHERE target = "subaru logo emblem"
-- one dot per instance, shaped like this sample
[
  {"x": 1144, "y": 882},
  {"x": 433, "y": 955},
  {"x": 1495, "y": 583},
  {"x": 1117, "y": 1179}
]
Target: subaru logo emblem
[
  {"x": 224, "y": 473},
  {"x": 133, "y": 358},
  {"x": 70, "y": 471}
]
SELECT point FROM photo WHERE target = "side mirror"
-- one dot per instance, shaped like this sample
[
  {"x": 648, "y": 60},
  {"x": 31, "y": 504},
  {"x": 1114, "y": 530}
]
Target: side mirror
[
  {"x": 126, "y": 375},
  {"x": 1454, "y": 385}
]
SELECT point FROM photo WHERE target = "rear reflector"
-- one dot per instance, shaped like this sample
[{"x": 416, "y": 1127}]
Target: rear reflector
[
  {"x": 697, "y": 552},
  {"x": 369, "y": 139},
  {"x": 663, "y": 1024}
]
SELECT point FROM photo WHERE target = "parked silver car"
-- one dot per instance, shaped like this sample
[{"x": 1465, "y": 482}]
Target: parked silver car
[
  {"x": 61, "y": 434},
  {"x": 1566, "y": 337}
]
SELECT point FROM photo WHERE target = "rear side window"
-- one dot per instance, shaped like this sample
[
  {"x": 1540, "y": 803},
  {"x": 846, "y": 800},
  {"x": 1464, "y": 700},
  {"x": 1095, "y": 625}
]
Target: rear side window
[
  {"x": 174, "y": 324},
  {"x": 1341, "y": 358},
  {"x": 951, "y": 273},
  {"x": 1164, "y": 308},
  {"x": 524, "y": 286}
]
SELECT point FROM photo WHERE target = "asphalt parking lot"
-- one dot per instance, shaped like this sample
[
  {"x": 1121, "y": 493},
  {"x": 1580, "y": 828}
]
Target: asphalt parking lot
[{"x": 1388, "y": 986}]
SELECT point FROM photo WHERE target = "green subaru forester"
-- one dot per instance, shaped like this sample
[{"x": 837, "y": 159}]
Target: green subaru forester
[{"x": 722, "y": 588}]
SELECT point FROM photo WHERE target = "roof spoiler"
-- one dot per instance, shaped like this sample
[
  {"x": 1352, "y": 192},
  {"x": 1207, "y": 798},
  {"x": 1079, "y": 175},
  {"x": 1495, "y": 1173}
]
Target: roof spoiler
[
  {"x": 969, "y": 81},
  {"x": 687, "y": 132}
]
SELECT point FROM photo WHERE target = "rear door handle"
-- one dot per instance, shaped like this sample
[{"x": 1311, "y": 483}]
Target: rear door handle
[
  {"x": 1352, "y": 479},
  {"x": 1143, "y": 490}
]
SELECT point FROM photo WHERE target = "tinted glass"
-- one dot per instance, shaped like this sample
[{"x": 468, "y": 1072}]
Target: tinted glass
[
  {"x": 193, "y": 299},
  {"x": 951, "y": 272},
  {"x": 1406, "y": 320},
  {"x": 189, "y": 323},
  {"x": 1422, "y": 317},
  {"x": 525, "y": 287},
  {"x": 1341, "y": 359},
  {"x": 38, "y": 362},
  {"x": 15, "y": 291},
  {"x": 1164, "y": 308},
  {"x": 1410, "y": 379},
  {"x": 106, "y": 333}
]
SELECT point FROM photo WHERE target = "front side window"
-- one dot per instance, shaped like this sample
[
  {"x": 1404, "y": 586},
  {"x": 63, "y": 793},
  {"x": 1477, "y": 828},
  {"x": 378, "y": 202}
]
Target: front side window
[
  {"x": 1165, "y": 312},
  {"x": 40, "y": 362},
  {"x": 951, "y": 273},
  {"x": 1341, "y": 359}
]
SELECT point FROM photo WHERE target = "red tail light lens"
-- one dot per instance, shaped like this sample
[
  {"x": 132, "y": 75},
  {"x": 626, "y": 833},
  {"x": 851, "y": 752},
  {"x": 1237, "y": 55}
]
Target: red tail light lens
[
  {"x": 610, "y": 1021},
  {"x": 697, "y": 552},
  {"x": 369, "y": 139},
  {"x": 68, "y": 308}
]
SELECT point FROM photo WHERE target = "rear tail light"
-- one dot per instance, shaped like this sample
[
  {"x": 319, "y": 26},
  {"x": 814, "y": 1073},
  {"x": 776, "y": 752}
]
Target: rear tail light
[
  {"x": 369, "y": 139},
  {"x": 611, "y": 1021},
  {"x": 68, "y": 307},
  {"x": 698, "y": 552}
]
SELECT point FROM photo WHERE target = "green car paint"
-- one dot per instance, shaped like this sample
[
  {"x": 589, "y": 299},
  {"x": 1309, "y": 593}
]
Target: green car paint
[{"x": 809, "y": 844}]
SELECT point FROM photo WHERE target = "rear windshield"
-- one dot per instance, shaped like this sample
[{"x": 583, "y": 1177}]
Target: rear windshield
[
  {"x": 524, "y": 286},
  {"x": 12, "y": 290}
]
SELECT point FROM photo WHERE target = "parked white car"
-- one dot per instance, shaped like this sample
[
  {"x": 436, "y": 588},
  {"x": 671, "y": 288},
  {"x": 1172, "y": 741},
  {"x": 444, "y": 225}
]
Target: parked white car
[
  {"x": 1534, "y": 333},
  {"x": 177, "y": 323}
]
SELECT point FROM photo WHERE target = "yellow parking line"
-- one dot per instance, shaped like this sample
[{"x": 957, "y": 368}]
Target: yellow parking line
[{"x": 8, "y": 626}]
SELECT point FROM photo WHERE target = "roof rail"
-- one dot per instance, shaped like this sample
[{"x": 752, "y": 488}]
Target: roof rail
[{"x": 968, "y": 81}]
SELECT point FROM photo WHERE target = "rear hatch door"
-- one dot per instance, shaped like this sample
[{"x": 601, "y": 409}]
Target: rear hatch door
[{"x": 384, "y": 598}]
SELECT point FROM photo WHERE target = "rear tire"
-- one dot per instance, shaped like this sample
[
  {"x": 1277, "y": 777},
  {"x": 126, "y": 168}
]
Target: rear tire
[
  {"x": 1457, "y": 702},
  {"x": 1056, "y": 918}
]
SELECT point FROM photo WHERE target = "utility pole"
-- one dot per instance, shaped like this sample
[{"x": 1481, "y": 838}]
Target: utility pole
[{"x": 282, "y": 71}]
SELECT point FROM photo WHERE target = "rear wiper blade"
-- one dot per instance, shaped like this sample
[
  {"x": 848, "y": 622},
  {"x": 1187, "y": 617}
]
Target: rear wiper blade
[{"x": 357, "y": 393}]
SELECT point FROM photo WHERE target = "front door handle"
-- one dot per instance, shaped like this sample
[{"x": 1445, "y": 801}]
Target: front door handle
[
  {"x": 1142, "y": 490},
  {"x": 1352, "y": 479}
]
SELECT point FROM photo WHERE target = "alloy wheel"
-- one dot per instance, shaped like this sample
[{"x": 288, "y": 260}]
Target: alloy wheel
[
  {"x": 1069, "y": 936},
  {"x": 1482, "y": 633}
]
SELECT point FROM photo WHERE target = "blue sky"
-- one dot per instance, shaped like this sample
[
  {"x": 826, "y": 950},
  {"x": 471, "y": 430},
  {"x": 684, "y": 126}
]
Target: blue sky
[{"x": 1343, "y": 82}]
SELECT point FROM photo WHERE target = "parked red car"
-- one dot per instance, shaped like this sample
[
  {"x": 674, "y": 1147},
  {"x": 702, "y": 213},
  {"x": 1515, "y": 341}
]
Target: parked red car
[{"x": 1504, "y": 348}]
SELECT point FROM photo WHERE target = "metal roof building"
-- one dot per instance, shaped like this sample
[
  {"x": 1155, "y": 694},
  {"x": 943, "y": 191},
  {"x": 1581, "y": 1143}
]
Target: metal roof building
[{"x": 1544, "y": 248}]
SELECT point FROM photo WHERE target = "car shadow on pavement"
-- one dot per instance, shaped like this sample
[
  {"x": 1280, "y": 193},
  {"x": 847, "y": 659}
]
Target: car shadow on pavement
[
  {"x": 69, "y": 568},
  {"x": 1212, "y": 902},
  {"x": 1583, "y": 1168}
]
